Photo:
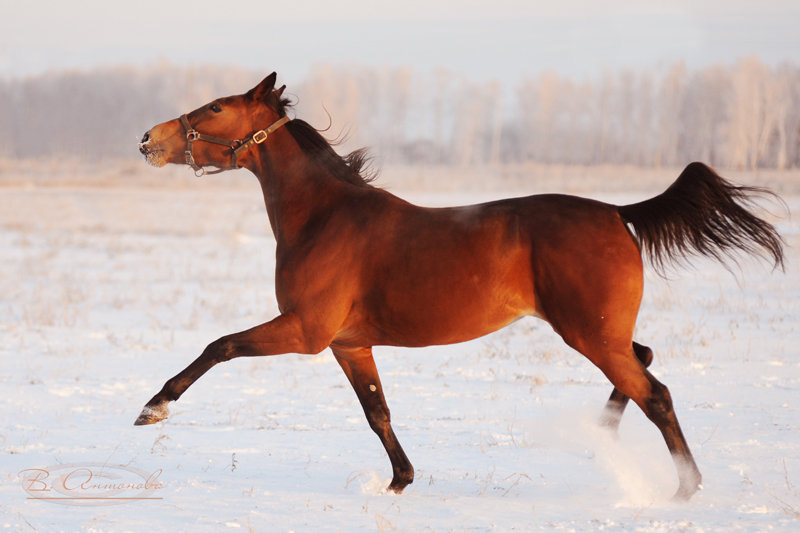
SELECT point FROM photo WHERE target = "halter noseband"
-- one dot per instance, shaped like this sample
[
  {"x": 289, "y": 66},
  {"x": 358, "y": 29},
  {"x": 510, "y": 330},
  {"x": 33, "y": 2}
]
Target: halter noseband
[{"x": 237, "y": 146}]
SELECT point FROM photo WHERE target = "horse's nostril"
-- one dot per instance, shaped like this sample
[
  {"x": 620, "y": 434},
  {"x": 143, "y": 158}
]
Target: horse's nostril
[{"x": 142, "y": 147}]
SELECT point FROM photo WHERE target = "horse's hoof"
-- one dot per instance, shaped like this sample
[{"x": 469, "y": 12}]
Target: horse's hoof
[
  {"x": 397, "y": 489},
  {"x": 684, "y": 494},
  {"x": 401, "y": 482},
  {"x": 610, "y": 420},
  {"x": 152, "y": 414}
]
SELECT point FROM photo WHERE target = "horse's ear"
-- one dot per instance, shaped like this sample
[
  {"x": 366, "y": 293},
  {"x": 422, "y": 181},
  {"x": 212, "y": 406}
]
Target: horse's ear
[
  {"x": 279, "y": 92},
  {"x": 263, "y": 89}
]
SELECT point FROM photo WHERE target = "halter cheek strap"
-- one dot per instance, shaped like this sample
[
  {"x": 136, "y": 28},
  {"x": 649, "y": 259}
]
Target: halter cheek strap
[
  {"x": 258, "y": 137},
  {"x": 236, "y": 146}
]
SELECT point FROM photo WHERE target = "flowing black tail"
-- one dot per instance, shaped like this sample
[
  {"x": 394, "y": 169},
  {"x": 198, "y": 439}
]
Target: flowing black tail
[{"x": 702, "y": 214}]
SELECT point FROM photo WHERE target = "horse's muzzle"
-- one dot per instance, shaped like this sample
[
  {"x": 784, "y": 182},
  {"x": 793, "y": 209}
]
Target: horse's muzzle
[
  {"x": 143, "y": 143},
  {"x": 152, "y": 151}
]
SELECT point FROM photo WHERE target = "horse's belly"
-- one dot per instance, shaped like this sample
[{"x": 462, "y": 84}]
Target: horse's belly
[{"x": 441, "y": 314}]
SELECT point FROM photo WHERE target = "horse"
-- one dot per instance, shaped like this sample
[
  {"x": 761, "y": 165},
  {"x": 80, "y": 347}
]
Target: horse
[{"x": 357, "y": 266}]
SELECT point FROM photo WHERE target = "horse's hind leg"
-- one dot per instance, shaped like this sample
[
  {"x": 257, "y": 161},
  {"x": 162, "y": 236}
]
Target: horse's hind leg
[
  {"x": 359, "y": 367},
  {"x": 617, "y": 402},
  {"x": 632, "y": 379}
]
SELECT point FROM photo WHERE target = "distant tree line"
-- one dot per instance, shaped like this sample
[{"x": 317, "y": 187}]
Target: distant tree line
[{"x": 745, "y": 115}]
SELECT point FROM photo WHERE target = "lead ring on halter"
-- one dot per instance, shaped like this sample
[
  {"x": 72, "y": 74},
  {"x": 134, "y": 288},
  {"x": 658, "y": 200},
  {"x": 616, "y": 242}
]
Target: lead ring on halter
[{"x": 237, "y": 146}]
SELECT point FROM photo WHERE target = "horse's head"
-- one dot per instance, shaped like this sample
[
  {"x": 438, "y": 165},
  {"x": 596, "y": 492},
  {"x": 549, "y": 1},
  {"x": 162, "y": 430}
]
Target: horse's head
[{"x": 220, "y": 133}]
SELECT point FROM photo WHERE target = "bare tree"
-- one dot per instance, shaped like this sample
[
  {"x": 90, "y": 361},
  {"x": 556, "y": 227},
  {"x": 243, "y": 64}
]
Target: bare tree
[
  {"x": 747, "y": 115},
  {"x": 670, "y": 99}
]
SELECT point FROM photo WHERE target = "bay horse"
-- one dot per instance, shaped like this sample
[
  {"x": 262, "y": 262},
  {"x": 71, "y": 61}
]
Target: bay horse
[{"x": 358, "y": 267}]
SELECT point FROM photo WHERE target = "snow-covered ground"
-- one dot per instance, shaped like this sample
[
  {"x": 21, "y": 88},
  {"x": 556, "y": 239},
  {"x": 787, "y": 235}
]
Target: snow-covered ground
[{"x": 106, "y": 293}]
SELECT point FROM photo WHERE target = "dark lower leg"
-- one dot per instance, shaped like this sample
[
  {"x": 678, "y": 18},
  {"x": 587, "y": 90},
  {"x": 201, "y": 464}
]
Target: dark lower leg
[
  {"x": 281, "y": 335},
  {"x": 634, "y": 381},
  {"x": 156, "y": 409},
  {"x": 659, "y": 409},
  {"x": 359, "y": 367}
]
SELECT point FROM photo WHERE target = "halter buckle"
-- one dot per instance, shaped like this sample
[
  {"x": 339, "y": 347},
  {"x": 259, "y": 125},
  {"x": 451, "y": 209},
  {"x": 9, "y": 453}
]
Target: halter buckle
[
  {"x": 192, "y": 135},
  {"x": 260, "y": 136}
]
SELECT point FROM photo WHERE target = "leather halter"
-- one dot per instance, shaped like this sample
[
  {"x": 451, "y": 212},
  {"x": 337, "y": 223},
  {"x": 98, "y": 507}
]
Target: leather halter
[{"x": 237, "y": 146}]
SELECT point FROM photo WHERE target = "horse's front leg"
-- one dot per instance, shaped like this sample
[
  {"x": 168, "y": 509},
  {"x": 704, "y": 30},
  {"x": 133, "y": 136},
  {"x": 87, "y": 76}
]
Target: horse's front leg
[
  {"x": 283, "y": 334},
  {"x": 359, "y": 367}
]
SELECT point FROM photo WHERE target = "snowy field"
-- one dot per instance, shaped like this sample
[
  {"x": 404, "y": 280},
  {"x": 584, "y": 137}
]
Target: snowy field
[{"x": 106, "y": 292}]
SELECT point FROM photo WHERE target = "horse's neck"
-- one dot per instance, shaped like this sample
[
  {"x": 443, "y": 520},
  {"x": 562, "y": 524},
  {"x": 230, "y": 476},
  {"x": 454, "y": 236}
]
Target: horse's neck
[{"x": 295, "y": 189}]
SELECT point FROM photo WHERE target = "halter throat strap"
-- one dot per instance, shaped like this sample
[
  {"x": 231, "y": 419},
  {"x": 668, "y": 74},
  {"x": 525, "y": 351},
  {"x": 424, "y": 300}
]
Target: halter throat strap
[{"x": 237, "y": 146}]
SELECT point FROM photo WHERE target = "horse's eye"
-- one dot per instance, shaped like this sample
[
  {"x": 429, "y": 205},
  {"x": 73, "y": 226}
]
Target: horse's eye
[{"x": 215, "y": 108}]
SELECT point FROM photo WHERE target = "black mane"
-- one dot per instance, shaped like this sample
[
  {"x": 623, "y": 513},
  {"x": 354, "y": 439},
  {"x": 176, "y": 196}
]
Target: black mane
[{"x": 350, "y": 168}]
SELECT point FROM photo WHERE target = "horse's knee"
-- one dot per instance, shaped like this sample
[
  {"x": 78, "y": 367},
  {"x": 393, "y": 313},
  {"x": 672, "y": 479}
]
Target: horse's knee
[
  {"x": 223, "y": 349},
  {"x": 230, "y": 347},
  {"x": 380, "y": 420}
]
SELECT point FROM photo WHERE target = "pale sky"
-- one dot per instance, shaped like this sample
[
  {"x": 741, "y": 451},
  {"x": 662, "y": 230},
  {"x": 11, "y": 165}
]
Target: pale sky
[{"x": 499, "y": 39}]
